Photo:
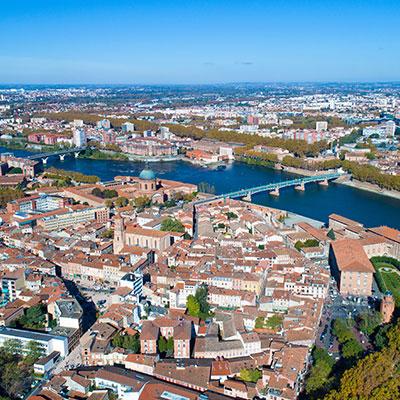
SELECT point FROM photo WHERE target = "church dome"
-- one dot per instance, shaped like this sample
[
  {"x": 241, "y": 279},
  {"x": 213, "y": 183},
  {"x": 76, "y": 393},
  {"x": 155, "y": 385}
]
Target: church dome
[{"x": 147, "y": 175}]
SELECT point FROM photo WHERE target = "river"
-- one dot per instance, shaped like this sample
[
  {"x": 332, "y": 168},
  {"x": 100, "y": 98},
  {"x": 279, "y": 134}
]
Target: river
[{"x": 316, "y": 202}]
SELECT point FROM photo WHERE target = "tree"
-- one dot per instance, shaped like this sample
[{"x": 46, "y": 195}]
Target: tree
[
  {"x": 331, "y": 234},
  {"x": 260, "y": 323},
  {"x": 172, "y": 225},
  {"x": 274, "y": 322},
  {"x": 162, "y": 344},
  {"x": 250, "y": 375},
  {"x": 121, "y": 202},
  {"x": 128, "y": 342},
  {"x": 193, "y": 306},
  {"x": 34, "y": 318},
  {"x": 35, "y": 350},
  {"x": 108, "y": 203},
  {"x": 14, "y": 379},
  {"x": 107, "y": 234},
  {"x": 170, "y": 345},
  {"x": 15, "y": 170},
  {"x": 142, "y": 202},
  {"x": 308, "y": 243},
  {"x": 231, "y": 215},
  {"x": 13, "y": 346},
  {"x": 381, "y": 340},
  {"x": 202, "y": 298},
  {"x": 351, "y": 349},
  {"x": 369, "y": 321},
  {"x": 319, "y": 376},
  {"x": 342, "y": 330}
]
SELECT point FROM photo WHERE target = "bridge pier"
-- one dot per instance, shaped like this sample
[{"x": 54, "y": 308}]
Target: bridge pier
[
  {"x": 44, "y": 160},
  {"x": 77, "y": 154},
  {"x": 300, "y": 187},
  {"x": 62, "y": 156},
  {"x": 247, "y": 197},
  {"x": 324, "y": 182},
  {"x": 274, "y": 192}
]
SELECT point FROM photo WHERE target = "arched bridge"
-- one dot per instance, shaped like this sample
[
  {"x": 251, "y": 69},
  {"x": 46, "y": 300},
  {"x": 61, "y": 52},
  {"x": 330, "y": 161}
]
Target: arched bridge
[
  {"x": 60, "y": 153},
  {"x": 274, "y": 187}
]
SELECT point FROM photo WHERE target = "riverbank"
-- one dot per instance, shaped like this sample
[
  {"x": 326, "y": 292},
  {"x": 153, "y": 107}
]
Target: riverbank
[
  {"x": 369, "y": 187},
  {"x": 345, "y": 180}
]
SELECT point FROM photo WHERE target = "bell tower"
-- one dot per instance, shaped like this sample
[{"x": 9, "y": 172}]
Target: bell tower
[{"x": 119, "y": 234}]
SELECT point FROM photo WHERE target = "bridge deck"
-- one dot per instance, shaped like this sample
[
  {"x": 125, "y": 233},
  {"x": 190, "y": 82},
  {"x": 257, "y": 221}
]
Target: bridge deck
[
  {"x": 271, "y": 186},
  {"x": 55, "y": 153}
]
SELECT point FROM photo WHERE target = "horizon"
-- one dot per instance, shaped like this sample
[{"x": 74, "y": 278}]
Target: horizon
[
  {"x": 191, "y": 42},
  {"x": 204, "y": 83}
]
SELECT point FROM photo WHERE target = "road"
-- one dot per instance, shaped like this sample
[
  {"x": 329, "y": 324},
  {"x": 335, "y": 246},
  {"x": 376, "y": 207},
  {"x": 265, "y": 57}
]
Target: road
[
  {"x": 72, "y": 360},
  {"x": 336, "y": 306}
]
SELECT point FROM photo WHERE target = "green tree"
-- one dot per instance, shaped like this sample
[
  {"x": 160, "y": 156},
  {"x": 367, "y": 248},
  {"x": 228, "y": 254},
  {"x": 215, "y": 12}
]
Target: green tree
[
  {"x": 342, "y": 329},
  {"x": 202, "y": 298},
  {"x": 13, "y": 346},
  {"x": 142, "y": 202},
  {"x": 381, "y": 339},
  {"x": 170, "y": 345},
  {"x": 34, "y": 351},
  {"x": 107, "y": 234},
  {"x": 34, "y": 318},
  {"x": 162, "y": 345},
  {"x": 369, "y": 321},
  {"x": 121, "y": 202},
  {"x": 193, "y": 306},
  {"x": 331, "y": 234},
  {"x": 231, "y": 215},
  {"x": 274, "y": 322},
  {"x": 260, "y": 323},
  {"x": 319, "y": 377},
  {"x": 250, "y": 375},
  {"x": 352, "y": 349},
  {"x": 172, "y": 225}
]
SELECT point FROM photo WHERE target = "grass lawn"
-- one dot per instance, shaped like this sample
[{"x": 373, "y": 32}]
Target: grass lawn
[{"x": 388, "y": 280}]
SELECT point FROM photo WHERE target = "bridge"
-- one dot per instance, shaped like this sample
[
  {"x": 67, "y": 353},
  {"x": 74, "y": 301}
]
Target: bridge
[
  {"x": 61, "y": 153},
  {"x": 274, "y": 187}
]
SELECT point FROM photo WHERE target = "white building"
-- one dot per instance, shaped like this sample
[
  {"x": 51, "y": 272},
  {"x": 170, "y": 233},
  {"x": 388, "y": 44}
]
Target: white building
[
  {"x": 49, "y": 342},
  {"x": 127, "y": 127},
  {"x": 79, "y": 138},
  {"x": 321, "y": 126}
]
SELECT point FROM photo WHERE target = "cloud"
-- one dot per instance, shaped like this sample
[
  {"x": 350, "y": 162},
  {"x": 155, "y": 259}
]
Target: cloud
[{"x": 245, "y": 63}]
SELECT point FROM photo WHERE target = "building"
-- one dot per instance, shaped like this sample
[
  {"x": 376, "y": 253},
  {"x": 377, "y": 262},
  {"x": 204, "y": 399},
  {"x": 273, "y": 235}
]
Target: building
[
  {"x": 134, "y": 281},
  {"x": 68, "y": 313},
  {"x": 351, "y": 267},
  {"x": 37, "y": 203},
  {"x": 48, "y": 342},
  {"x": 79, "y": 138},
  {"x": 103, "y": 124},
  {"x": 148, "y": 338},
  {"x": 392, "y": 237},
  {"x": 321, "y": 126},
  {"x": 73, "y": 217},
  {"x": 11, "y": 283},
  {"x": 28, "y": 167},
  {"x": 127, "y": 127},
  {"x": 387, "y": 307},
  {"x": 390, "y": 128},
  {"x": 45, "y": 364}
]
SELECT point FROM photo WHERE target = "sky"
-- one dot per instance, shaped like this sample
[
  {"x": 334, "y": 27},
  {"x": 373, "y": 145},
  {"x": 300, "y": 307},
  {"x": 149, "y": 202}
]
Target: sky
[{"x": 198, "y": 41}]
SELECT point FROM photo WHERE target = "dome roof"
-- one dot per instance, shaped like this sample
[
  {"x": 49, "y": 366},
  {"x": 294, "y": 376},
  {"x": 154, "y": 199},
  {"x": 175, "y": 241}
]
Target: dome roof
[{"x": 147, "y": 175}]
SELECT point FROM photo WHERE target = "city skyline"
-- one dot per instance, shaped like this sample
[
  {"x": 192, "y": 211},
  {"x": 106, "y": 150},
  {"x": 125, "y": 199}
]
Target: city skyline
[{"x": 198, "y": 42}]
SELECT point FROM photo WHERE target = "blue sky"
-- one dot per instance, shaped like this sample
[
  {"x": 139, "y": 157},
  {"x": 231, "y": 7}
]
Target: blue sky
[{"x": 198, "y": 41}]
